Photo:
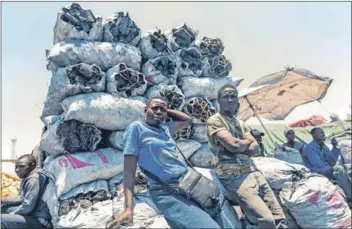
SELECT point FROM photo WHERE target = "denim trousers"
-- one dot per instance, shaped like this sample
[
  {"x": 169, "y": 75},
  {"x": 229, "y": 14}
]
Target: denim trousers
[
  {"x": 344, "y": 180},
  {"x": 17, "y": 221},
  {"x": 181, "y": 212}
]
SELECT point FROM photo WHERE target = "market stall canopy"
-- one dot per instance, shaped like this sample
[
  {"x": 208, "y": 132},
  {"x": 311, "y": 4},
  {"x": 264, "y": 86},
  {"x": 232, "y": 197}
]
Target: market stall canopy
[{"x": 275, "y": 96}]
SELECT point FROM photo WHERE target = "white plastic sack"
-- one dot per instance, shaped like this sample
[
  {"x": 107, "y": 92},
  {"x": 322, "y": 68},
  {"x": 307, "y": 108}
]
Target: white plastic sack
[
  {"x": 171, "y": 93},
  {"x": 93, "y": 186},
  {"x": 103, "y": 54},
  {"x": 161, "y": 69},
  {"x": 64, "y": 30},
  {"x": 103, "y": 110},
  {"x": 207, "y": 87},
  {"x": 116, "y": 139},
  {"x": 346, "y": 150},
  {"x": 290, "y": 220},
  {"x": 316, "y": 203},
  {"x": 115, "y": 184},
  {"x": 50, "y": 120},
  {"x": 188, "y": 147},
  {"x": 100, "y": 213},
  {"x": 203, "y": 157},
  {"x": 158, "y": 221},
  {"x": 52, "y": 201},
  {"x": 289, "y": 155},
  {"x": 200, "y": 133},
  {"x": 125, "y": 82},
  {"x": 96, "y": 216},
  {"x": 50, "y": 141},
  {"x": 153, "y": 44},
  {"x": 278, "y": 173},
  {"x": 61, "y": 88},
  {"x": 70, "y": 171}
]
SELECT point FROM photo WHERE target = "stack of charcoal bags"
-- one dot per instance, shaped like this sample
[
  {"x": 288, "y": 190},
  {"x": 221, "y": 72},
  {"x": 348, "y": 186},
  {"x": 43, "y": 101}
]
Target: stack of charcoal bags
[{"x": 103, "y": 73}]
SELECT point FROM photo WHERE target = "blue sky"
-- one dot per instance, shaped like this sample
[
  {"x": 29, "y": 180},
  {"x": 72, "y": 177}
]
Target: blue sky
[{"x": 259, "y": 38}]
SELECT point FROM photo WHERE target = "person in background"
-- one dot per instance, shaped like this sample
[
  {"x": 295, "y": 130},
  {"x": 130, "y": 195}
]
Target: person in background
[
  {"x": 233, "y": 146},
  {"x": 150, "y": 145},
  {"x": 334, "y": 153},
  {"x": 290, "y": 137},
  {"x": 28, "y": 210},
  {"x": 316, "y": 153}
]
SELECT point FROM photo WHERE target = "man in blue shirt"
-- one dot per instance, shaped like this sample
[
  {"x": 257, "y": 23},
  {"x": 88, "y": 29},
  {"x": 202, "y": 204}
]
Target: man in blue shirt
[
  {"x": 150, "y": 145},
  {"x": 316, "y": 154}
]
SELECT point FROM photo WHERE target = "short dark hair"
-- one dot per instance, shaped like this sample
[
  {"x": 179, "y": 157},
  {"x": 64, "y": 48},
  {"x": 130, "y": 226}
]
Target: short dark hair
[
  {"x": 156, "y": 97},
  {"x": 30, "y": 158},
  {"x": 315, "y": 130},
  {"x": 223, "y": 87}
]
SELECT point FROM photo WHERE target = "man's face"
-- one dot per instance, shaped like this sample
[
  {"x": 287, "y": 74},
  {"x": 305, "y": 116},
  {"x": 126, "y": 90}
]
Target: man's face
[
  {"x": 23, "y": 168},
  {"x": 319, "y": 135},
  {"x": 334, "y": 142},
  {"x": 156, "y": 112},
  {"x": 290, "y": 135},
  {"x": 228, "y": 100}
]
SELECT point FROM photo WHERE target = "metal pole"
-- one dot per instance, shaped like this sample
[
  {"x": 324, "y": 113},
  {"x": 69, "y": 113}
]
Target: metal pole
[{"x": 267, "y": 132}]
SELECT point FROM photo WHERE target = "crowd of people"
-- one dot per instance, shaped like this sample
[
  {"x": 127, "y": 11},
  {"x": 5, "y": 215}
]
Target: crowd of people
[{"x": 149, "y": 145}]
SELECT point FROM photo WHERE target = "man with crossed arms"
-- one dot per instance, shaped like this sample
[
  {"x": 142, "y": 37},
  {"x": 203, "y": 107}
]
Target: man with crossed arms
[{"x": 233, "y": 147}]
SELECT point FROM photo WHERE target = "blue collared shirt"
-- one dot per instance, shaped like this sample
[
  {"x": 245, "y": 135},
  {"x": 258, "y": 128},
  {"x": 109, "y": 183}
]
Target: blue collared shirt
[
  {"x": 155, "y": 150},
  {"x": 316, "y": 157}
]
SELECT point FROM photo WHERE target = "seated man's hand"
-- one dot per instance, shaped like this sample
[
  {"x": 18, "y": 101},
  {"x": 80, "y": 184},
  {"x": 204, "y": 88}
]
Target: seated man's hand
[{"x": 125, "y": 217}]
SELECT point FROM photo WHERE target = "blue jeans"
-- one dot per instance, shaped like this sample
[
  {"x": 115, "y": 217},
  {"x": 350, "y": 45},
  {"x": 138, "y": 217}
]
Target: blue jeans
[
  {"x": 17, "y": 221},
  {"x": 181, "y": 212},
  {"x": 343, "y": 180}
]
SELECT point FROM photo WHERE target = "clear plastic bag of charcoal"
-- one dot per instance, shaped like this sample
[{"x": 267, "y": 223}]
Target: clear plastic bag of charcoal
[
  {"x": 153, "y": 44},
  {"x": 171, "y": 93},
  {"x": 200, "y": 109},
  {"x": 215, "y": 63},
  {"x": 190, "y": 62},
  {"x": 161, "y": 69},
  {"x": 78, "y": 17},
  {"x": 78, "y": 137},
  {"x": 125, "y": 81},
  {"x": 181, "y": 37},
  {"x": 210, "y": 46},
  {"x": 219, "y": 66},
  {"x": 121, "y": 28},
  {"x": 83, "y": 200},
  {"x": 184, "y": 134},
  {"x": 74, "y": 22}
]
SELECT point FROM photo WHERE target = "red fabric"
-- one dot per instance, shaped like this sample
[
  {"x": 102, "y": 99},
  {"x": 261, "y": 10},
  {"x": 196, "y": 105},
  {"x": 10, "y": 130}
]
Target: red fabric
[{"x": 315, "y": 120}]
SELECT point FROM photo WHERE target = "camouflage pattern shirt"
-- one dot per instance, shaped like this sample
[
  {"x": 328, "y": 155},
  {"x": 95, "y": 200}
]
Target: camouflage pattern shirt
[{"x": 238, "y": 130}]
